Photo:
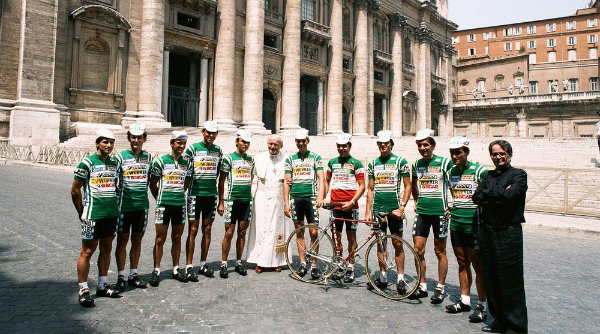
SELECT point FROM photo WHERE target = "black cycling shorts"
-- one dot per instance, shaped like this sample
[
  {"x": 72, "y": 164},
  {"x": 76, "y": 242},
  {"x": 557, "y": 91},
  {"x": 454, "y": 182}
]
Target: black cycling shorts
[
  {"x": 201, "y": 206},
  {"x": 134, "y": 221},
  {"x": 170, "y": 214},
  {"x": 394, "y": 223},
  {"x": 423, "y": 223},
  {"x": 237, "y": 211},
  {"x": 304, "y": 209},
  {"x": 98, "y": 228},
  {"x": 462, "y": 239},
  {"x": 339, "y": 224}
]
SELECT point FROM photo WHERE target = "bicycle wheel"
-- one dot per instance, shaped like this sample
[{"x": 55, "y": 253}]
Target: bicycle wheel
[
  {"x": 399, "y": 261},
  {"x": 313, "y": 246}
]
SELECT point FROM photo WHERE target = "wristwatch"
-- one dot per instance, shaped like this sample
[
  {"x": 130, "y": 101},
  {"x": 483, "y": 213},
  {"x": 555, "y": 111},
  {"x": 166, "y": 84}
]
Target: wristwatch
[{"x": 403, "y": 204}]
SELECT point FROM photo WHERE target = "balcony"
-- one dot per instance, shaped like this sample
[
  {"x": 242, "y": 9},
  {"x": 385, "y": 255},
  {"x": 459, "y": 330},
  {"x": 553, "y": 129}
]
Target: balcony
[
  {"x": 591, "y": 96},
  {"x": 316, "y": 33},
  {"x": 408, "y": 68},
  {"x": 382, "y": 59},
  {"x": 273, "y": 17}
]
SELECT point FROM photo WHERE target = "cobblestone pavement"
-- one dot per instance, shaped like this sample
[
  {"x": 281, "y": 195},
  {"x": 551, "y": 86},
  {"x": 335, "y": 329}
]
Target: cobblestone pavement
[{"x": 38, "y": 284}]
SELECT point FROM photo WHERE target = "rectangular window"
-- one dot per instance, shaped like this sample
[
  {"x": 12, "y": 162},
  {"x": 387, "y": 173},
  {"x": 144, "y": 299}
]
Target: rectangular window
[
  {"x": 531, "y": 44},
  {"x": 346, "y": 63},
  {"x": 551, "y": 42},
  {"x": 552, "y": 56},
  {"x": 571, "y": 40},
  {"x": 487, "y": 35},
  {"x": 456, "y": 40},
  {"x": 270, "y": 40},
  {"x": 532, "y": 58},
  {"x": 188, "y": 21},
  {"x": 531, "y": 30},
  {"x": 517, "y": 31},
  {"x": 593, "y": 53},
  {"x": 550, "y": 27},
  {"x": 518, "y": 82},
  {"x": 517, "y": 45},
  {"x": 573, "y": 85},
  {"x": 507, "y": 46},
  {"x": 572, "y": 54},
  {"x": 378, "y": 76},
  {"x": 594, "y": 84},
  {"x": 571, "y": 25},
  {"x": 533, "y": 87},
  {"x": 591, "y": 23},
  {"x": 308, "y": 10},
  {"x": 592, "y": 38},
  {"x": 471, "y": 52},
  {"x": 472, "y": 38},
  {"x": 507, "y": 32}
]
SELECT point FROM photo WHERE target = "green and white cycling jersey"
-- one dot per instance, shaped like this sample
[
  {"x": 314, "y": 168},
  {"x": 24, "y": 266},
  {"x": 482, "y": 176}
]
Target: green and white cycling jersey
[
  {"x": 100, "y": 186},
  {"x": 171, "y": 177},
  {"x": 387, "y": 173},
  {"x": 134, "y": 175},
  {"x": 304, "y": 173},
  {"x": 432, "y": 184},
  {"x": 204, "y": 166},
  {"x": 462, "y": 186},
  {"x": 239, "y": 176}
]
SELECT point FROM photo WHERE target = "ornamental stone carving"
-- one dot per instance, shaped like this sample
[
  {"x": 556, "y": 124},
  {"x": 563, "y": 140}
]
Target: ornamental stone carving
[
  {"x": 424, "y": 35},
  {"x": 310, "y": 53},
  {"x": 397, "y": 21}
]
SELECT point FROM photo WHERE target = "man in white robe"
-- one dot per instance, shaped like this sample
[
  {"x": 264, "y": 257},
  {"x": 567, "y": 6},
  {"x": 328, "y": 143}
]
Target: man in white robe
[{"x": 269, "y": 227}]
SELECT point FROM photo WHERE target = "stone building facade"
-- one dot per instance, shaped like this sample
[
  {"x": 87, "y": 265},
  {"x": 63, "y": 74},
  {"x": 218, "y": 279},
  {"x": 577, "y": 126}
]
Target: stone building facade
[
  {"x": 529, "y": 79},
  {"x": 265, "y": 65}
]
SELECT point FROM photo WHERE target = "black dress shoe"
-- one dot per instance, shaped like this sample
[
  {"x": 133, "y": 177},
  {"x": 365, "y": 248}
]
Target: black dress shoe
[{"x": 494, "y": 327}]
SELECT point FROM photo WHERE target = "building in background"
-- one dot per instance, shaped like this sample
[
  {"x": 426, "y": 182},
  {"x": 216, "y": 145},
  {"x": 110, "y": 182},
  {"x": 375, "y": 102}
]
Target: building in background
[
  {"x": 265, "y": 65},
  {"x": 529, "y": 79}
]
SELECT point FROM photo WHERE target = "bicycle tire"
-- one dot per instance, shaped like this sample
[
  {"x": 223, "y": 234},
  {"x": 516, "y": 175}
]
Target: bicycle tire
[
  {"x": 323, "y": 257},
  {"x": 411, "y": 273}
]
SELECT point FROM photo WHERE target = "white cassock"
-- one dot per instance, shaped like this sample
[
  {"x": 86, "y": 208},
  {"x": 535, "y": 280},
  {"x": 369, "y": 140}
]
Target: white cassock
[{"x": 269, "y": 227}]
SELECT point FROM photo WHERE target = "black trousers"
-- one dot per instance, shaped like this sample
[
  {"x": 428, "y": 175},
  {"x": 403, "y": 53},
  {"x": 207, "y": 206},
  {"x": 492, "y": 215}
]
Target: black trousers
[{"x": 501, "y": 254}]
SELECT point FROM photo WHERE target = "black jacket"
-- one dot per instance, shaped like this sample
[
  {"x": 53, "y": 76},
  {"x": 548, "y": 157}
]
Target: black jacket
[{"x": 501, "y": 197}]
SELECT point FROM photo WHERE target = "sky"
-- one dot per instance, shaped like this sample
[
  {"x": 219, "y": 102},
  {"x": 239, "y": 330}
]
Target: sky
[{"x": 483, "y": 13}]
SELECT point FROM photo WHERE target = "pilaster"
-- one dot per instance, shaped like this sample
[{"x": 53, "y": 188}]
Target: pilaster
[{"x": 290, "y": 108}]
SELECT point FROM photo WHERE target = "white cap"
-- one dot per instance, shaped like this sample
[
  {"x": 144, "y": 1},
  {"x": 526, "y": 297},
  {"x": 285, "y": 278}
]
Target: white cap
[
  {"x": 458, "y": 142},
  {"x": 244, "y": 135},
  {"x": 424, "y": 134},
  {"x": 137, "y": 129},
  {"x": 179, "y": 134},
  {"x": 105, "y": 133},
  {"x": 343, "y": 138},
  {"x": 384, "y": 136},
  {"x": 211, "y": 126},
  {"x": 301, "y": 134}
]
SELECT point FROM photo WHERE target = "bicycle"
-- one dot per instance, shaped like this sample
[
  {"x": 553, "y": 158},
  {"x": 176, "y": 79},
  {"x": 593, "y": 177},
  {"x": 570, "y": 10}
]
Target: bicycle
[{"x": 324, "y": 255}]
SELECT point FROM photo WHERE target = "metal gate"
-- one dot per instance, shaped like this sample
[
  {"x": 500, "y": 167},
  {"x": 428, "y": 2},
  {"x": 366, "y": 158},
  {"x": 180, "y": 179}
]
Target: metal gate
[{"x": 183, "y": 106}]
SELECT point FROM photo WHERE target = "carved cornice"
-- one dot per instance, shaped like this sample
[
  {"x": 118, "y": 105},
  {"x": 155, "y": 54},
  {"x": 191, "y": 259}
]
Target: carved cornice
[
  {"x": 397, "y": 21},
  {"x": 370, "y": 5},
  {"x": 449, "y": 49},
  {"x": 424, "y": 35}
]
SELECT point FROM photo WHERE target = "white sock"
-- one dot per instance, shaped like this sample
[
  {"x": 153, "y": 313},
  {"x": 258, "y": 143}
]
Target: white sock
[
  {"x": 400, "y": 277},
  {"x": 238, "y": 261},
  {"x": 382, "y": 277},
  {"x": 175, "y": 269},
  {"x": 101, "y": 281},
  {"x": 484, "y": 304},
  {"x": 440, "y": 287},
  {"x": 223, "y": 263},
  {"x": 132, "y": 272},
  {"x": 83, "y": 286},
  {"x": 351, "y": 266},
  {"x": 157, "y": 270},
  {"x": 189, "y": 266},
  {"x": 121, "y": 273},
  {"x": 465, "y": 299},
  {"x": 202, "y": 263},
  {"x": 423, "y": 286}
]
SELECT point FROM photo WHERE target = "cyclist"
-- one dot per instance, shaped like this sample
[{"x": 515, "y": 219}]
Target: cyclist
[
  {"x": 464, "y": 178},
  {"x": 388, "y": 174},
  {"x": 237, "y": 168},
  {"x": 134, "y": 170},
  {"x": 168, "y": 182},
  {"x": 205, "y": 162},
  {"x": 346, "y": 179},
  {"x": 98, "y": 211},
  {"x": 303, "y": 192},
  {"x": 429, "y": 190}
]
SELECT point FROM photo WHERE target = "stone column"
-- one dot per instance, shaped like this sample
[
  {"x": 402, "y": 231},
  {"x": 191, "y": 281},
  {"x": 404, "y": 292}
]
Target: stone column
[
  {"x": 384, "y": 117},
  {"x": 320, "y": 107},
  {"x": 254, "y": 67},
  {"x": 522, "y": 122},
  {"x": 225, "y": 67},
  {"x": 361, "y": 70},
  {"x": 290, "y": 108},
  {"x": 371, "y": 77},
  {"x": 151, "y": 50},
  {"x": 203, "y": 104},
  {"x": 335, "y": 81},
  {"x": 423, "y": 74},
  {"x": 34, "y": 118},
  {"x": 396, "y": 23},
  {"x": 165, "y": 85}
]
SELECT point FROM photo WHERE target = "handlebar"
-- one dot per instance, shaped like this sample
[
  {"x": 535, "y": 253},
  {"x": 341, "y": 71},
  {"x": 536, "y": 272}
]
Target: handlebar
[{"x": 332, "y": 206}]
